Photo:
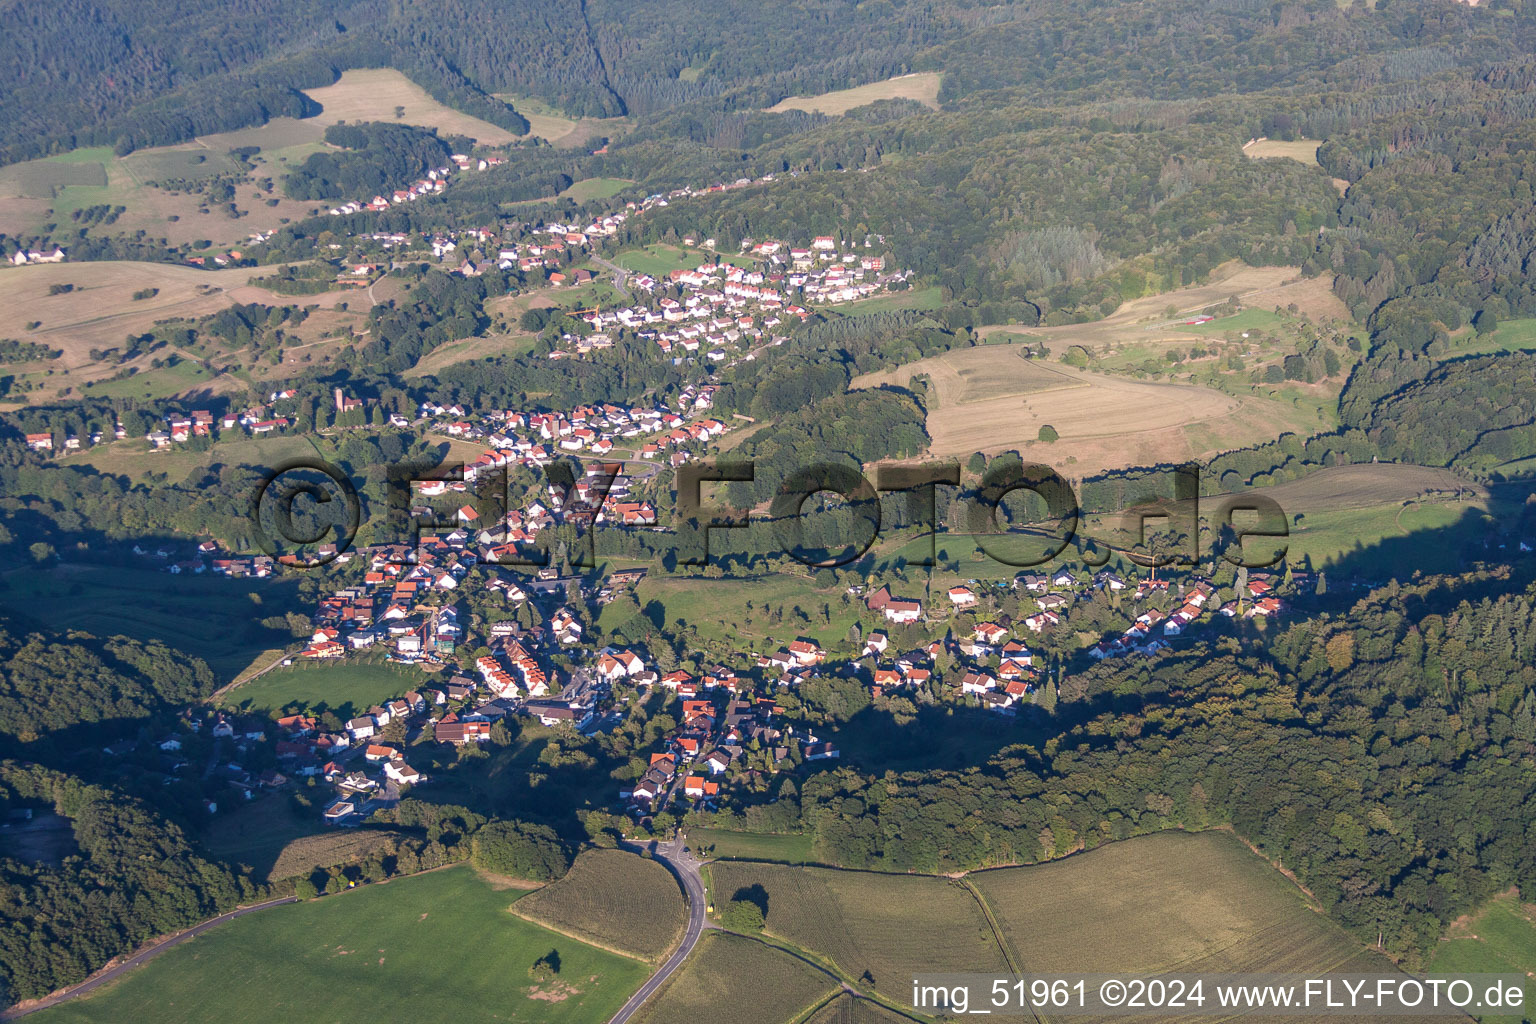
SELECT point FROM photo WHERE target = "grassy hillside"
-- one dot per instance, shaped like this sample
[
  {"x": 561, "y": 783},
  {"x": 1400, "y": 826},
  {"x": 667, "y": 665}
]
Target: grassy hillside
[
  {"x": 438, "y": 946},
  {"x": 1499, "y": 939},
  {"x": 347, "y": 687}
]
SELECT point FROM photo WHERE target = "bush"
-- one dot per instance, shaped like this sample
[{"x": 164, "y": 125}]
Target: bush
[
  {"x": 1048, "y": 433},
  {"x": 742, "y": 916},
  {"x": 519, "y": 850}
]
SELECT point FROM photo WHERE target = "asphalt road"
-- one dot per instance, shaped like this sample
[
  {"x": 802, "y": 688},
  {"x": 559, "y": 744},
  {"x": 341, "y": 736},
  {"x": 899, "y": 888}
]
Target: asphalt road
[
  {"x": 141, "y": 956},
  {"x": 686, "y": 868},
  {"x": 620, "y": 275}
]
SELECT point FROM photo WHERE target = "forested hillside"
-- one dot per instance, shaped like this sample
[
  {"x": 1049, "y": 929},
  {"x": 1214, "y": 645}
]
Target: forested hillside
[
  {"x": 1088, "y": 167},
  {"x": 132, "y": 876},
  {"x": 106, "y": 682},
  {"x": 1383, "y": 757}
]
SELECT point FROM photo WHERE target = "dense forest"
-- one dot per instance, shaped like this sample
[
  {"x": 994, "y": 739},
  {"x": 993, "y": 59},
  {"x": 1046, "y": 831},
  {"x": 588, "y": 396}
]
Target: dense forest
[
  {"x": 132, "y": 876},
  {"x": 375, "y": 158},
  {"x": 111, "y": 682}
]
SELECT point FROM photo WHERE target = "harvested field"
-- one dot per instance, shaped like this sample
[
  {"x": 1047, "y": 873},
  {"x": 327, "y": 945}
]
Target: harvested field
[
  {"x": 100, "y": 312},
  {"x": 922, "y": 86},
  {"x": 614, "y": 900},
  {"x": 1171, "y": 901},
  {"x": 987, "y": 402},
  {"x": 1303, "y": 151},
  {"x": 885, "y": 927},
  {"x": 372, "y": 94},
  {"x": 969, "y": 376},
  {"x": 759, "y": 985}
]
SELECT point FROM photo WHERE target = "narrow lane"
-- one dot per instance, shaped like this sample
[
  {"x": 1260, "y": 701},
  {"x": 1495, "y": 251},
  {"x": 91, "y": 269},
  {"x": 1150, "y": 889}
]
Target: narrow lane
[
  {"x": 143, "y": 955},
  {"x": 682, "y": 864}
]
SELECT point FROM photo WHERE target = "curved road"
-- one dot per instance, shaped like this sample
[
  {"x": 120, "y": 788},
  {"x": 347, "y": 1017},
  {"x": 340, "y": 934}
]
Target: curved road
[
  {"x": 620, "y": 275},
  {"x": 138, "y": 958},
  {"x": 675, "y": 857}
]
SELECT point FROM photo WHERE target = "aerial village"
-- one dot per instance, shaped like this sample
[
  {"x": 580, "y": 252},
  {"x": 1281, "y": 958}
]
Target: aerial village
[
  {"x": 538, "y": 661},
  {"x": 541, "y": 662}
]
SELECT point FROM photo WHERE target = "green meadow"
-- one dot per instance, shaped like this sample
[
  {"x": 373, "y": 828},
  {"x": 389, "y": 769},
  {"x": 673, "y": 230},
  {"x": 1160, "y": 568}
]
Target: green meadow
[{"x": 434, "y": 947}]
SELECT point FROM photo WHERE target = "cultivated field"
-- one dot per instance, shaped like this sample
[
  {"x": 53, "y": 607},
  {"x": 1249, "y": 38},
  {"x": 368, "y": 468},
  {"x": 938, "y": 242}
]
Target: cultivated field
[
  {"x": 1166, "y": 902},
  {"x": 923, "y": 87},
  {"x": 372, "y": 94},
  {"x": 849, "y": 1009},
  {"x": 742, "y": 980},
  {"x": 347, "y": 687},
  {"x": 614, "y": 900},
  {"x": 884, "y": 927},
  {"x": 437, "y": 946}
]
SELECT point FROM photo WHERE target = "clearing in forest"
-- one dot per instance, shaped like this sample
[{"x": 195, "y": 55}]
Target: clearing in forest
[
  {"x": 921, "y": 86},
  {"x": 372, "y": 94}
]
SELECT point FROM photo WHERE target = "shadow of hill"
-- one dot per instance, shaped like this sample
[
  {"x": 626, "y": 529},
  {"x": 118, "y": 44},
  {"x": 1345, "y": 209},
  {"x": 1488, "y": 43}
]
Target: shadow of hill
[{"x": 1490, "y": 535}]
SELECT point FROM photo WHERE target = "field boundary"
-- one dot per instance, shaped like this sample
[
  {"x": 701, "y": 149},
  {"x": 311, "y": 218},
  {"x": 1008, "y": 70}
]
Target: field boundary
[
  {"x": 997, "y": 930},
  {"x": 811, "y": 959},
  {"x": 512, "y": 909}
]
